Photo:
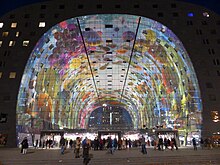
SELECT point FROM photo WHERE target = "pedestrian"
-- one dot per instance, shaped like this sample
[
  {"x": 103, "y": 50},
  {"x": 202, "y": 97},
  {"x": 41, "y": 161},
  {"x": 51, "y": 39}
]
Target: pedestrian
[
  {"x": 62, "y": 145},
  {"x": 24, "y": 145},
  {"x": 86, "y": 148},
  {"x": 77, "y": 148},
  {"x": 143, "y": 145},
  {"x": 202, "y": 143},
  {"x": 194, "y": 143}
]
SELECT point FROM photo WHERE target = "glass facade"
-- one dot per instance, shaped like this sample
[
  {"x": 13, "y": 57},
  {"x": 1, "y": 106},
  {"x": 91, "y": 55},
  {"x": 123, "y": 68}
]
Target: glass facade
[{"x": 120, "y": 60}]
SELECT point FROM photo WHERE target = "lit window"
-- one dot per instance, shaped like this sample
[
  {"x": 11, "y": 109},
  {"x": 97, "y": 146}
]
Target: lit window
[
  {"x": 13, "y": 25},
  {"x": 12, "y": 75},
  {"x": 25, "y": 43},
  {"x": 12, "y": 43},
  {"x": 1, "y": 43},
  {"x": 17, "y": 34},
  {"x": 42, "y": 24},
  {"x": 1, "y": 25},
  {"x": 5, "y": 34},
  {"x": 205, "y": 14},
  {"x": 215, "y": 116},
  {"x": 190, "y": 14},
  {"x": 0, "y": 74}
]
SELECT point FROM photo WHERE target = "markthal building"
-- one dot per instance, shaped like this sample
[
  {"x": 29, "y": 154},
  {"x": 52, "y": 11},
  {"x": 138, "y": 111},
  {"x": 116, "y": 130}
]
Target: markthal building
[{"x": 109, "y": 67}]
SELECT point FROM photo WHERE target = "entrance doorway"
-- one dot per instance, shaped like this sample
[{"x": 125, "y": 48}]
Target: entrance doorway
[{"x": 106, "y": 134}]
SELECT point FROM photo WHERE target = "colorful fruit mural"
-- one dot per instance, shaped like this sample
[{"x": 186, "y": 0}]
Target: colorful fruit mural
[{"x": 114, "y": 59}]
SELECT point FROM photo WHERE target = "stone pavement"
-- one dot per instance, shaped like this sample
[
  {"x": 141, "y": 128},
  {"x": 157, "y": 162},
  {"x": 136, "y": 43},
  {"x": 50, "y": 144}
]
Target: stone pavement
[{"x": 183, "y": 156}]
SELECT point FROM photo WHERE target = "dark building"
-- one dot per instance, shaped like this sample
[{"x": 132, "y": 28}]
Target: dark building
[{"x": 156, "y": 59}]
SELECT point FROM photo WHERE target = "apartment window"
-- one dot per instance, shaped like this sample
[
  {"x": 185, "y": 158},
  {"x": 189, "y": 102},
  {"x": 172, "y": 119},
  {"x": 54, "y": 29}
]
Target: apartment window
[
  {"x": 12, "y": 74},
  {"x": 155, "y": 5},
  {"x": 215, "y": 116},
  {"x": 25, "y": 43},
  {"x": 99, "y": 6},
  {"x": 42, "y": 15},
  {"x": 205, "y": 14},
  {"x": 11, "y": 43},
  {"x": 13, "y": 24},
  {"x": 212, "y": 97},
  {"x": 199, "y": 31},
  {"x": 61, "y": 6},
  {"x": 80, "y": 6},
  {"x": 209, "y": 85},
  {"x": 32, "y": 33},
  {"x": 1, "y": 43},
  {"x": 42, "y": 24},
  {"x": 190, "y": 14},
  {"x": 56, "y": 15},
  {"x": 17, "y": 34},
  {"x": 216, "y": 62},
  {"x": 12, "y": 16},
  {"x": 6, "y": 98},
  {"x": 5, "y": 34},
  {"x": 27, "y": 16},
  {"x": 160, "y": 14},
  {"x": 136, "y": 6},
  {"x": 7, "y": 53},
  {"x": 175, "y": 14},
  {"x": 205, "y": 41},
  {"x": 43, "y": 6},
  {"x": 1, "y": 25},
  {"x": 189, "y": 23},
  {"x": 0, "y": 74},
  {"x": 204, "y": 23},
  {"x": 211, "y": 51},
  {"x": 117, "y": 6},
  {"x": 173, "y": 5},
  {"x": 213, "y": 31}
]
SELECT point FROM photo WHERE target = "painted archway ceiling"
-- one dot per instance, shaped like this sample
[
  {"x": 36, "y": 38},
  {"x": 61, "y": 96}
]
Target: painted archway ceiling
[{"x": 123, "y": 60}]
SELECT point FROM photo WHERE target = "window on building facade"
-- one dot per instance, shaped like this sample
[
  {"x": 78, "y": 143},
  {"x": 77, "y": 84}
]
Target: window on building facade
[
  {"x": 1, "y": 43},
  {"x": 42, "y": 24},
  {"x": 13, "y": 24},
  {"x": 212, "y": 97},
  {"x": 209, "y": 85},
  {"x": 155, "y": 5},
  {"x": 25, "y": 43},
  {"x": 12, "y": 74},
  {"x": 80, "y": 6},
  {"x": 11, "y": 43},
  {"x": 1, "y": 24},
  {"x": 27, "y": 16},
  {"x": 17, "y": 34},
  {"x": 215, "y": 116},
  {"x": 5, "y": 34},
  {"x": 99, "y": 6}
]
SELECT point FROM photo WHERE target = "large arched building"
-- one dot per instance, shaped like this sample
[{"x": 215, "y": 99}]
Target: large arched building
[{"x": 143, "y": 63}]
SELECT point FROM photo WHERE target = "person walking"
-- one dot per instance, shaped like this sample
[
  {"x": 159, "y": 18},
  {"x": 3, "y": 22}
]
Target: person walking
[
  {"x": 143, "y": 145},
  {"x": 62, "y": 145},
  {"x": 194, "y": 143},
  {"x": 77, "y": 148},
  {"x": 24, "y": 145},
  {"x": 86, "y": 147}
]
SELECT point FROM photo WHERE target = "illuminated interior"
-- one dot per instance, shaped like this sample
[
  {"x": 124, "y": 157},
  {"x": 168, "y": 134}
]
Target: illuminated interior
[{"x": 113, "y": 59}]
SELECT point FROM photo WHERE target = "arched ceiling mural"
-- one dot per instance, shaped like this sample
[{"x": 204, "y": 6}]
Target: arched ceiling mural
[{"x": 114, "y": 59}]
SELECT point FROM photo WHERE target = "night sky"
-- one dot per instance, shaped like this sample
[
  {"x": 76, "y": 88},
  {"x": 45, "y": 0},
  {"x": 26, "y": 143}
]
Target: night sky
[{"x": 7, "y": 5}]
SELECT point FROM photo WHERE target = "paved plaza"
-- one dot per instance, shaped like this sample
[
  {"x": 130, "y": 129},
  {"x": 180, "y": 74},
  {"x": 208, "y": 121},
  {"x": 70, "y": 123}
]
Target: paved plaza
[{"x": 183, "y": 156}]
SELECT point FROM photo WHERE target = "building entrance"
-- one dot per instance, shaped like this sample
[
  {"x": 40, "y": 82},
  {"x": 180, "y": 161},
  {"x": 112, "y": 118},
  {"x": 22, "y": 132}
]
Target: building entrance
[{"x": 106, "y": 134}]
